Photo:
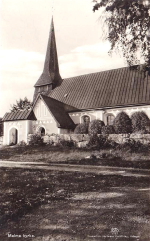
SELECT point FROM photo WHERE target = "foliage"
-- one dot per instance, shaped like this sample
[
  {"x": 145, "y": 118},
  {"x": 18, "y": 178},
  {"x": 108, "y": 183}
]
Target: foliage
[
  {"x": 140, "y": 121},
  {"x": 65, "y": 143},
  {"x": 35, "y": 139},
  {"x": 1, "y": 127},
  {"x": 128, "y": 27},
  {"x": 22, "y": 143},
  {"x": 109, "y": 129},
  {"x": 122, "y": 123},
  {"x": 22, "y": 104},
  {"x": 133, "y": 146},
  {"x": 99, "y": 141},
  {"x": 95, "y": 127},
  {"x": 81, "y": 129},
  {"x": 96, "y": 141}
]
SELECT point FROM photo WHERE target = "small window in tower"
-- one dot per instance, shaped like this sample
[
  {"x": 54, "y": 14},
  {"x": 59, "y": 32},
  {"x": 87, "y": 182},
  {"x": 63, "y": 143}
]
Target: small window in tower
[{"x": 45, "y": 88}]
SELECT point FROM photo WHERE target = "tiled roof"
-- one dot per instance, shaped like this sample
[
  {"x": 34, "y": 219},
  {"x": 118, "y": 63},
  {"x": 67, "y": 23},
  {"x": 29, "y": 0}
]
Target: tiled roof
[
  {"x": 59, "y": 111},
  {"x": 19, "y": 115},
  {"x": 111, "y": 88}
]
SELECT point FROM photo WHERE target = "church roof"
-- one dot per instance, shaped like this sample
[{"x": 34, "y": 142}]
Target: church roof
[
  {"x": 60, "y": 111},
  {"x": 19, "y": 115},
  {"x": 50, "y": 73},
  {"x": 111, "y": 88}
]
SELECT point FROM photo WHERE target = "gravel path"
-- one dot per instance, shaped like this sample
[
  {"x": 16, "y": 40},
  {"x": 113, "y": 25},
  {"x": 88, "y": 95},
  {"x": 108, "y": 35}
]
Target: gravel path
[{"x": 103, "y": 170}]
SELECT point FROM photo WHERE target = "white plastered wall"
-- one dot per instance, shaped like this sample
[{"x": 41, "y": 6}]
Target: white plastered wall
[
  {"x": 77, "y": 116},
  {"x": 22, "y": 126},
  {"x": 102, "y": 114},
  {"x": 128, "y": 110},
  {"x": 44, "y": 119}
]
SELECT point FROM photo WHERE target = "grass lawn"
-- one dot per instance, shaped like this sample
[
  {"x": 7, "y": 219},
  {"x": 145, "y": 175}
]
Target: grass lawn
[
  {"x": 51, "y": 154},
  {"x": 41, "y": 153},
  {"x": 73, "y": 206},
  {"x": 64, "y": 206}
]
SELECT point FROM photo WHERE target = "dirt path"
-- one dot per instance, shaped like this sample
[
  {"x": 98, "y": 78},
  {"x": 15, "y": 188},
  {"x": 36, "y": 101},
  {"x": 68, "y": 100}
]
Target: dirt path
[{"x": 103, "y": 170}]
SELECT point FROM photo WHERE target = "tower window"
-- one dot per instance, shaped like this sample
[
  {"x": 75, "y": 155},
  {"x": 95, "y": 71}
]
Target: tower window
[{"x": 43, "y": 88}]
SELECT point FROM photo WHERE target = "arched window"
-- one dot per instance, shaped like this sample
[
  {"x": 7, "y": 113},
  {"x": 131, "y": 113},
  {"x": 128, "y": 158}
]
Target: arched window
[
  {"x": 110, "y": 119},
  {"x": 86, "y": 119},
  {"x": 41, "y": 130}
]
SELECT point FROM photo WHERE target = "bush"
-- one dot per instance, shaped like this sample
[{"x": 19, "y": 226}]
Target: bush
[
  {"x": 122, "y": 123},
  {"x": 1, "y": 127},
  {"x": 106, "y": 130},
  {"x": 133, "y": 146},
  {"x": 139, "y": 122},
  {"x": 81, "y": 129},
  {"x": 35, "y": 139},
  {"x": 65, "y": 143},
  {"x": 95, "y": 127},
  {"x": 96, "y": 141},
  {"x": 22, "y": 143}
]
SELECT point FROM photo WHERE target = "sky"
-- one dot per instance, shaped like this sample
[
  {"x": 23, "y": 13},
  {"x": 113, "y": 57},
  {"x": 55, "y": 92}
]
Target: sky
[{"x": 24, "y": 31}]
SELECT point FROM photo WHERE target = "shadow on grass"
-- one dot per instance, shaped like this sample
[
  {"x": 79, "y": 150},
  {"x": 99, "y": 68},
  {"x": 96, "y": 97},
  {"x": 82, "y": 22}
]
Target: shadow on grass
[{"x": 74, "y": 205}]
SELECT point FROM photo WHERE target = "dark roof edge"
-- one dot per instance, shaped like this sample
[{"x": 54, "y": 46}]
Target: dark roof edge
[
  {"x": 63, "y": 103},
  {"x": 58, "y": 124},
  {"x": 109, "y": 107},
  {"x": 39, "y": 85},
  {"x": 49, "y": 110}
]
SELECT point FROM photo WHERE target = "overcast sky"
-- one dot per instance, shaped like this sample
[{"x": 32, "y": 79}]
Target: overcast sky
[{"x": 25, "y": 26}]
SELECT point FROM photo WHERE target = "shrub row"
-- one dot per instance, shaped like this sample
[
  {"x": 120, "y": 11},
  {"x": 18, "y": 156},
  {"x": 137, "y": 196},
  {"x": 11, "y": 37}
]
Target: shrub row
[
  {"x": 101, "y": 142},
  {"x": 122, "y": 124}
]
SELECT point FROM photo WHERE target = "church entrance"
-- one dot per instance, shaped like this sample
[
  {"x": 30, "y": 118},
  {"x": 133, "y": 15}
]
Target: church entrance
[
  {"x": 13, "y": 136},
  {"x": 41, "y": 130}
]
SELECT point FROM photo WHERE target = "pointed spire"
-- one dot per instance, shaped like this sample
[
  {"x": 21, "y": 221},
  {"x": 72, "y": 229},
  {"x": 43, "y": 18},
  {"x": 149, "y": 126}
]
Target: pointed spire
[{"x": 50, "y": 73}]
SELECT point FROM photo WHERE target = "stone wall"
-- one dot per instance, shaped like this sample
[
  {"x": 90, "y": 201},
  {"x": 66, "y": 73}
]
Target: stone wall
[
  {"x": 82, "y": 140},
  {"x": 121, "y": 138}
]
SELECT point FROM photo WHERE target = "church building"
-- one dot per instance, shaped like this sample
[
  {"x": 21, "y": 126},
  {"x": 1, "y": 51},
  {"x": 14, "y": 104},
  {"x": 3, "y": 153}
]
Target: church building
[{"x": 61, "y": 104}]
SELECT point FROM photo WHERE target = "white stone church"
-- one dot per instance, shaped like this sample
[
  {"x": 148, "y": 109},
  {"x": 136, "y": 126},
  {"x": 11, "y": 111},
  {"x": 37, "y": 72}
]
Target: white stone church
[{"x": 60, "y": 104}]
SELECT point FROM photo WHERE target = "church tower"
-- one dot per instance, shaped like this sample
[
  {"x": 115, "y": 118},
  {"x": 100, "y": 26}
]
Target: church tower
[{"x": 50, "y": 78}]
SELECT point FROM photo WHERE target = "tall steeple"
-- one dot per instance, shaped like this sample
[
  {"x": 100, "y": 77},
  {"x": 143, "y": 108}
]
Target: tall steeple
[{"x": 50, "y": 78}]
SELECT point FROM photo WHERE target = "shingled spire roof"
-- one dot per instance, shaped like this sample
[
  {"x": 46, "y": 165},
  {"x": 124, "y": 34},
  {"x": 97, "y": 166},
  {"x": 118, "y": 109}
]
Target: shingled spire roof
[{"x": 50, "y": 73}]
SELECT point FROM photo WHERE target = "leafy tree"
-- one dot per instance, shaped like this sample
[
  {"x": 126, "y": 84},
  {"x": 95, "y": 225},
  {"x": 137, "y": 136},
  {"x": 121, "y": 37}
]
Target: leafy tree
[
  {"x": 81, "y": 129},
  {"x": 22, "y": 104},
  {"x": 109, "y": 129},
  {"x": 122, "y": 123},
  {"x": 95, "y": 127},
  {"x": 140, "y": 121},
  {"x": 1, "y": 127},
  {"x": 128, "y": 24}
]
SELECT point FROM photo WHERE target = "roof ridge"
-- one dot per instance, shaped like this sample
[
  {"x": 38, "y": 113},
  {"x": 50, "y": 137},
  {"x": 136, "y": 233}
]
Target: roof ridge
[{"x": 98, "y": 72}]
